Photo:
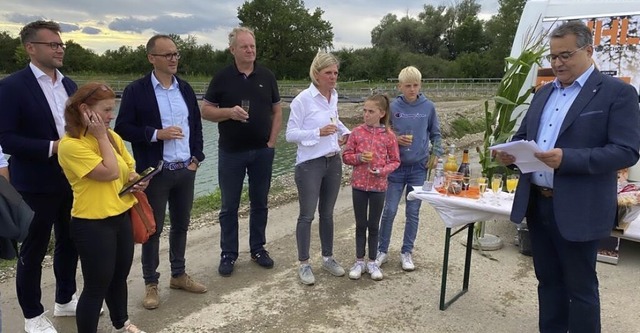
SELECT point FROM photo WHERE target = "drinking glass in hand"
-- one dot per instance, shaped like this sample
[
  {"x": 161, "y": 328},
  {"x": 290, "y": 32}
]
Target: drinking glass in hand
[
  {"x": 246, "y": 105},
  {"x": 408, "y": 134}
]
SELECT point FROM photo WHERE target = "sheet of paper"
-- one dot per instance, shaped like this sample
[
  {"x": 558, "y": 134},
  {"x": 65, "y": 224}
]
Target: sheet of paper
[{"x": 523, "y": 152}]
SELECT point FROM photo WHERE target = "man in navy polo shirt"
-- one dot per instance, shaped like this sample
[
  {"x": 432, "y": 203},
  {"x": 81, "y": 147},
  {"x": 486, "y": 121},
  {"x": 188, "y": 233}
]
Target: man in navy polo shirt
[{"x": 246, "y": 144}]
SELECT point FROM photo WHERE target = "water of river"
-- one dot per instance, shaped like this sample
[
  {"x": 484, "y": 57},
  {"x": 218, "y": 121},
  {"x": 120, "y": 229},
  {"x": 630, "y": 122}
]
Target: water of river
[{"x": 207, "y": 176}]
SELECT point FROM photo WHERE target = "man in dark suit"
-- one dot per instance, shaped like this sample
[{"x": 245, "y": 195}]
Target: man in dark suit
[
  {"x": 588, "y": 125},
  {"x": 160, "y": 116},
  {"x": 31, "y": 125}
]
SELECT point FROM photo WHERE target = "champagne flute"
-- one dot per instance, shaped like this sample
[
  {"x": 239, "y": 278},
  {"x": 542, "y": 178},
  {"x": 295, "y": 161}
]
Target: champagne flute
[
  {"x": 512, "y": 183},
  {"x": 245, "y": 105},
  {"x": 465, "y": 181},
  {"x": 408, "y": 134},
  {"x": 482, "y": 185},
  {"x": 496, "y": 187}
]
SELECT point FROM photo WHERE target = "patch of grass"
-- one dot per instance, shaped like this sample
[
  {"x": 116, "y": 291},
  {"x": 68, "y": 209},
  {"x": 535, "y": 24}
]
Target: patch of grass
[{"x": 463, "y": 126}]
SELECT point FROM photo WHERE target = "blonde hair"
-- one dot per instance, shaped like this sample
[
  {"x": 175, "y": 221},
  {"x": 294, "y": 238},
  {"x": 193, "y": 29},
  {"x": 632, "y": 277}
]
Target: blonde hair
[
  {"x": 410, "y": 74},
  {"x": 320, "y": 62},
  {"x": 234, "y": 33}
]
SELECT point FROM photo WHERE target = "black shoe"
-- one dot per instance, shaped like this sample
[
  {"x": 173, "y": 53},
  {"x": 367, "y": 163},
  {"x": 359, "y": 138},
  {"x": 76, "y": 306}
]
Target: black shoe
[
  {"x": 226, "y": 266},
  {"x": 262, "y": 258}
]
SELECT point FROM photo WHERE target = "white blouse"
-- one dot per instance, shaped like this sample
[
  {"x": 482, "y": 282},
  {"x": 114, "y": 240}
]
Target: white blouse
[{"x": 311, "y": 111}]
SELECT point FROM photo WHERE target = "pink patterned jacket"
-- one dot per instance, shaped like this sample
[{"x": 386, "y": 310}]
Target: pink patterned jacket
[{"x": 386, "y": 157}]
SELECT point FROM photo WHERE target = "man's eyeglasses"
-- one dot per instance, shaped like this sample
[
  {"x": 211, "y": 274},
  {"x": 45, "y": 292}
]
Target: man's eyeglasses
[
  {"x": 53, "y": 45},
  {"x": 168, "y": 56},
  {"x": 564, "y": 56}
]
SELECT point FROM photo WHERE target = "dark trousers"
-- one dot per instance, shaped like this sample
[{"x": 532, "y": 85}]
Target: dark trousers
[
  {"x": 373, "y": 202},
  {"x": 50, "y": 210},
  {"x": 106, "y": 253},
  {"x": 176, "y": 188},
  {"x": 232, "y": 168},
  {"x": 566, "y": 272},
  {"x": 318, "y": 183}
]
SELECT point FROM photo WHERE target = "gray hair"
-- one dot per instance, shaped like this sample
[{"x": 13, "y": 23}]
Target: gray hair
[
  {"x": 234, "y": 33},
  {"x": 320, "y": 62},
  {"x": 576, "y": 28}
]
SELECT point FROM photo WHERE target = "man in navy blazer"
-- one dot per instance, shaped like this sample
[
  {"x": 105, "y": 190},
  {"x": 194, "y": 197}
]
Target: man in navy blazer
[
  {"x": 588, "y": 125},
  {"x": 31, "y": 125},
  {"x": 160, "y": 116}
]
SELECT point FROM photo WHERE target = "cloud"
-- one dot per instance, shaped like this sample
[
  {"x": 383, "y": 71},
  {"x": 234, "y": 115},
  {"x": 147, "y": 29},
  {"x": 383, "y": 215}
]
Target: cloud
[
  {"x": 22, "y": 19},
  {"x": 174, "y": 24},
  {"x": 67, "y": 27},
  {"x": 91, "y": 31}
]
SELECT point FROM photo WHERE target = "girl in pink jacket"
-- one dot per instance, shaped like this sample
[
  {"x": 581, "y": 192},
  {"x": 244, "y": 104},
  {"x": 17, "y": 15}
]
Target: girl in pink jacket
[{"x": 372, "y": 149}]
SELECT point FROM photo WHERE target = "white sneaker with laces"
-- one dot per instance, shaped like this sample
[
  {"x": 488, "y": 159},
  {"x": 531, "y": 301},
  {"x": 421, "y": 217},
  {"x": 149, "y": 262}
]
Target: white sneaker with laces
[
  {"x": 407, "y": 261},
  {"x": 381, "y": 258},
  {"x": 68, "y": 309},
  {"x": 374, "y": 270},
  {"x": 39, "y": 324},
  {"x": 357, "y": 270}
]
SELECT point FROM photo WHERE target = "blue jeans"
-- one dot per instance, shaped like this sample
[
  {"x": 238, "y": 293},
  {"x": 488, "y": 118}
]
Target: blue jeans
[
  {"x": 405, "y": 176},
  {"x": 232, "y": 167},
  {"x": 176, "y": 188}
]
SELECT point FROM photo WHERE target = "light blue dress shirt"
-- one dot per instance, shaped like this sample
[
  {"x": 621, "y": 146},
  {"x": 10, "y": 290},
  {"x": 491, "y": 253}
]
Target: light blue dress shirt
[
  {"x": 173, "y": 112},
  {"x": 552, "y": 117}
]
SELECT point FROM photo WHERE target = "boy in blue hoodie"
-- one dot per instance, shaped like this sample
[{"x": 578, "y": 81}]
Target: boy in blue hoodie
[{"x": 411, "y": 113}]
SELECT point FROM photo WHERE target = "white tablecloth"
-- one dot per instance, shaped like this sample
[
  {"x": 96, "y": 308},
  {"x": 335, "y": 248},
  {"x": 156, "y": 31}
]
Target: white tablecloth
[{"x": 456, "y": 212}]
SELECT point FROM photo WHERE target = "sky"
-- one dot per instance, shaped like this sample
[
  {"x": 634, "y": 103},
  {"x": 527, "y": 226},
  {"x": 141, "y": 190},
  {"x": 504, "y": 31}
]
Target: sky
[{"x": 102, "y": 25}]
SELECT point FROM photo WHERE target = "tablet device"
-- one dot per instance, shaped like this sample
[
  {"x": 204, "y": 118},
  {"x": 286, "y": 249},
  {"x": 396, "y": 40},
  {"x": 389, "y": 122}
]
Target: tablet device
[{"x": 144, "y": 175}]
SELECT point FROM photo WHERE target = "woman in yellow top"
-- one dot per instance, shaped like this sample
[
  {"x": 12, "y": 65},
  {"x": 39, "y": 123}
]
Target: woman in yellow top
[{"x": 97, "y": 165}]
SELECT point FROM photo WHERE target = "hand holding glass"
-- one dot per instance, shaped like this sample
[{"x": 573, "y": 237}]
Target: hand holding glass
[
  {"x": 246, "y": 105},
  {"x": 408, "y": 135}
]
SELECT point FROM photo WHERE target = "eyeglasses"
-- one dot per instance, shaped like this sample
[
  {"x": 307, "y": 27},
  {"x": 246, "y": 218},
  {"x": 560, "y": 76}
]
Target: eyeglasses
[
  {"x": 167, "y": 56},
  {"x": 564, "y": 56},
  {"x": 53, "y": 45}
]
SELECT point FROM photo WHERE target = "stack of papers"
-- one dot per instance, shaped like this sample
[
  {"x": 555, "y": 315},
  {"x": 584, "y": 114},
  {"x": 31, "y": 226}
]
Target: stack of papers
[{"x": 523, "y": 151}]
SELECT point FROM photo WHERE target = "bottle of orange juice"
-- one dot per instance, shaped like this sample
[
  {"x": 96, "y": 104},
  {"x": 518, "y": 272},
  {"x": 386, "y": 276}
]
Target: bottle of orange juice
[{"x": 451, "y": 164}]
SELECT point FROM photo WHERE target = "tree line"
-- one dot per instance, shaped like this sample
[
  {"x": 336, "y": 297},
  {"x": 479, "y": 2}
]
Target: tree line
[{"x": 442, "y": 41}]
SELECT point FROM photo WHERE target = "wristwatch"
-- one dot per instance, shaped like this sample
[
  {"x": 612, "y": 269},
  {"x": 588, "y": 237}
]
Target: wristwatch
[{"x": 195, "y": 160}]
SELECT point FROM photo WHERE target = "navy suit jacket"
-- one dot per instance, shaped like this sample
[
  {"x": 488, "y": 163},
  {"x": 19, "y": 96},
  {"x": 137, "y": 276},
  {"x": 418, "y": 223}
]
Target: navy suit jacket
[
  {"x": 599, "y": 136},
  {"x": 139, "y": 117},
  {"x": 26, "y": 130}
]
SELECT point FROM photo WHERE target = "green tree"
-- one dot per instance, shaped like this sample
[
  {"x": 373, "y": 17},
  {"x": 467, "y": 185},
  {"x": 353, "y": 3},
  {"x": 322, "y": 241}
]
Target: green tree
[
  {"x": 500, "y": 31},
  {"x": 287, "y": 34},
  {"x": 79, "y": 59},
  {"x": 8, "y": 46}
]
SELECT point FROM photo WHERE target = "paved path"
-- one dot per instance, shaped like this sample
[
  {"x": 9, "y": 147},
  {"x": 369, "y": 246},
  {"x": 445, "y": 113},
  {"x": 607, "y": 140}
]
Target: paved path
[{"x": 502, "y": 296}]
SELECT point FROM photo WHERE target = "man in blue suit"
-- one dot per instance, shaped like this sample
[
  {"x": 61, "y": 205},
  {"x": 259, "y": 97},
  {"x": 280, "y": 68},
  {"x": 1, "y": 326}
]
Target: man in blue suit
[
  {"x": 31, "y": 125},
  {"x": 160, "y": 116},
  {"x": 588, "y": 125}
]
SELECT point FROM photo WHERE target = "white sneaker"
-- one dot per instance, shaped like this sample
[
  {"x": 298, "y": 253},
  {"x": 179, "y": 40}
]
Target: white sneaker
[
  {"x": 39, "y": 324},
  {"x": 357, "y": 270},
  {"x": 68, "y": 309},
  {"x": 374, "y": 270},
  {"x": 381, "y": 258},
  {"x": 407, "y": 262}
]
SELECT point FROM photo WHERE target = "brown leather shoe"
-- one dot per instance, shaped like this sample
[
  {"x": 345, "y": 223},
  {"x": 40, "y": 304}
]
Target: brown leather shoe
[
  {"x": 151, "y": 299},
  {"x": 185, "y": 282}
]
